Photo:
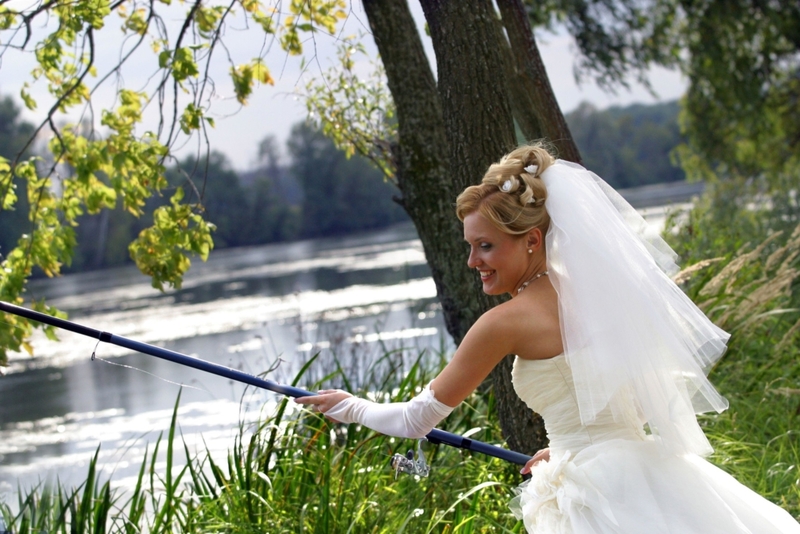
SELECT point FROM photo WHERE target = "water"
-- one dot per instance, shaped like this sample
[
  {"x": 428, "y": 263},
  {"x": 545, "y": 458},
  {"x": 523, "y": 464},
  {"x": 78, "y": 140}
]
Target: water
[{"x": 254, "y": 309}]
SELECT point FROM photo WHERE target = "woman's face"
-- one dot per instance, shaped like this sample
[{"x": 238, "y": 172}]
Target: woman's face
[{"x": 501, "y": 259}]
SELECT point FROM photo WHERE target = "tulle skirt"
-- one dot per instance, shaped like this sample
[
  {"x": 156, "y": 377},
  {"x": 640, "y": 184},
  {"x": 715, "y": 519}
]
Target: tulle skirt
[{"x": 623, "y": 486}]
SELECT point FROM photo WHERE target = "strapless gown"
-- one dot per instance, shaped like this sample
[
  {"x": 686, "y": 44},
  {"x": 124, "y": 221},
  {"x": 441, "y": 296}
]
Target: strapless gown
[{"x": 610, "y": 477}]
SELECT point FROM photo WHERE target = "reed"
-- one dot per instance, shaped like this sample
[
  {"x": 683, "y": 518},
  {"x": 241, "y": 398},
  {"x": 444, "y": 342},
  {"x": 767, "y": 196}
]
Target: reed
[{"x": 299, "y": 473}]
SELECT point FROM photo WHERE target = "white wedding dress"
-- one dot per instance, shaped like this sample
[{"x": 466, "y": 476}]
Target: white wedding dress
[{"x": 610, "y": 477}]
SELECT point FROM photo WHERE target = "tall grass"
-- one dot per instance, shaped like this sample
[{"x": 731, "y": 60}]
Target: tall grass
[
  {"x": 295, "y": 472},
  {"x": 753, "y": 295}
]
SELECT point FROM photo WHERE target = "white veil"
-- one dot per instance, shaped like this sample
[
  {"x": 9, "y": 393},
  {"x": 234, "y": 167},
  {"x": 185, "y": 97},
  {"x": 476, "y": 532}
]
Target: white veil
[{"x": 626, "y": 326}]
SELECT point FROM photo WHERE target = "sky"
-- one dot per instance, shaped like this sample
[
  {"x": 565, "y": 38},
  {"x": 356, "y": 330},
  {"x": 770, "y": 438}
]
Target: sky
[{"x": 273, "y": 110}]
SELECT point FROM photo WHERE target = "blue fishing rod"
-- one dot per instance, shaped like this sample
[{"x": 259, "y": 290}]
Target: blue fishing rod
[{"x": 400, "y": 462}]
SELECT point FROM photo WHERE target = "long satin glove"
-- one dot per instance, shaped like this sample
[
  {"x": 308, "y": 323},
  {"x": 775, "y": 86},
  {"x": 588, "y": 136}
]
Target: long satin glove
[{"x": 412, "y": 419}]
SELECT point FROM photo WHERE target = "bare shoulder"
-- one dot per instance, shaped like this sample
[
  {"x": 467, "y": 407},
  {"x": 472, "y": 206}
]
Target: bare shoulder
[
  {"x": 491, "y": 330},
  {"x": 529, "y": 325},
  {"x": 505, "y": 319},
  {"x": 497, "y": 319},
  {"x": 499, "y": 326},
  {"x": 514, "y": 313}
]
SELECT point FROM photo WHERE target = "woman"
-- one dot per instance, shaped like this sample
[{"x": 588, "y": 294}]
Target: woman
[{"x": 605, "y": 345}]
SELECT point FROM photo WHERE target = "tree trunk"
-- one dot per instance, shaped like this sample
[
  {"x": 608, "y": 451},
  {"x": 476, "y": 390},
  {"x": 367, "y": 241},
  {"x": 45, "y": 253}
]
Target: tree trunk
[
  {"x": 446, "y": 141},
  {"x": 423, "y": 173},
  {"x": 479, "y": 125},
  {"x": 530, "y": 69}
]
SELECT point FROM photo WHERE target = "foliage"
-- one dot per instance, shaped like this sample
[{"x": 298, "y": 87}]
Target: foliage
[
  {"x": 742, "y": 101},
  {"x": 752, "y": 294},
  {"x": 312, "y": 477},
  {"x": 95, "y": 163},
  {"x": 275, "y": 202},
  {"x": 628, "y": 146},
  {"x": 225, "y": 198},
  {"x": 356, "y": 113},
  {"x": 616, "y": 38},
  {"x": 734, "y": 213},
  {"x": 159, "y": 251},
  {"x": 265, "y": 205},
  {"x": 295, "y": 471},
  {"x": 14, "y": 135},
  {"x": 742, "y": 59},
  {"x": 273, "y": 216}
]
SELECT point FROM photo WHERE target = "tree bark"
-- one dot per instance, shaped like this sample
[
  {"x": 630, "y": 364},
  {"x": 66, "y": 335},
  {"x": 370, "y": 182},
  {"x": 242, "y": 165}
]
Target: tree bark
[{"x": 530, "y": 68}]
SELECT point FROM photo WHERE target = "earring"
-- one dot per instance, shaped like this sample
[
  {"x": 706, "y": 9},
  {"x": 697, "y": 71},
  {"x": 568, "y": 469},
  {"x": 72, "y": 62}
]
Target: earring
[{"x": 530, "y": 251}]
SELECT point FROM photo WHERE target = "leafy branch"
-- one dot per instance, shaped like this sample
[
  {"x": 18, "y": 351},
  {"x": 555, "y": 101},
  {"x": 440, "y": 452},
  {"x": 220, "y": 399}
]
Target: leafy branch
[
  {"x": 93, "y": 165},
  {"x": 356, "y": 113}
]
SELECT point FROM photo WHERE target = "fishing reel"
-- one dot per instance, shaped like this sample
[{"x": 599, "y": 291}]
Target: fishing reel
[{"x": 407, "y": 463}]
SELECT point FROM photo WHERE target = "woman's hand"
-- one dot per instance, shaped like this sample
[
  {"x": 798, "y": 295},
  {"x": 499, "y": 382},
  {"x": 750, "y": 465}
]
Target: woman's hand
[
  {"x": 541, "y": 456},
  {"x": 327, "y": 399}
]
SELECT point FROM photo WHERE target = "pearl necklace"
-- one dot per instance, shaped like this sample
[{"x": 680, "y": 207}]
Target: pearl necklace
[{"x": 524, "y": 285}]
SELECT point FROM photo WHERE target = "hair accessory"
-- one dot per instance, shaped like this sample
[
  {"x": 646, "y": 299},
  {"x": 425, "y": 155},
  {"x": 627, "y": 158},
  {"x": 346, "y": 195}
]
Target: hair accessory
[
  {"x": 506, "y": 186},
  {"x": 531, "y": 169}
]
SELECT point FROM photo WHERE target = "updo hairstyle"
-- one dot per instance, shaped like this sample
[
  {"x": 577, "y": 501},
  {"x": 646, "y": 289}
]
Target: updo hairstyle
[{"x": 511, "y": 194}]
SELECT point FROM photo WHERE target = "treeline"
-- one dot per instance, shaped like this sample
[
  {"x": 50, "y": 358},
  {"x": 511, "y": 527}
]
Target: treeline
[
  {"x": 310, "y": 189},
  {"x": 628, "y": 146}
]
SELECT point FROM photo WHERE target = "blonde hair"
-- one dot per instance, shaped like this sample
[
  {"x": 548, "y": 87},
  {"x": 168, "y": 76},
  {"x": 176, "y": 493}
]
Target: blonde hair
[{"x": 511, "y": 195}]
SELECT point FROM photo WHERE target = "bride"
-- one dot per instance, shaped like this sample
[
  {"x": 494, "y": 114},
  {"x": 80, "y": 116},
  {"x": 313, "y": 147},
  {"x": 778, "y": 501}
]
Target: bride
[{"x": 608, "y": 350}]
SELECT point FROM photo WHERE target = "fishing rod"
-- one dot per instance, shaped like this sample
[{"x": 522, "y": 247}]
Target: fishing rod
[{"x": 405, "y": 463}]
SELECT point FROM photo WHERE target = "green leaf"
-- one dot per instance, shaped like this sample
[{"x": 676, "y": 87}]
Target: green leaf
[
  {"x": 7, "y": 185},
  {"x": 30, "y": 103},
  {"x": 163, "y": 59},
  {"x": 190, "y": 118},
  {"x": 7, "y": 18},
  {"x": 183, "y": 64},
  {"x": 242, "y": 77},
  {"x": 261, "y": 72}
]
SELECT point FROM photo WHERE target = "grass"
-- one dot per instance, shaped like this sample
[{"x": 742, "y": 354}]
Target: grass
[
  {"x": 758, "y": 439},
  {"x": 753, "y": 295}
]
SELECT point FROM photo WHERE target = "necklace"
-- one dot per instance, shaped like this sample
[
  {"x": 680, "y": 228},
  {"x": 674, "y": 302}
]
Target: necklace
[{"x": 536, "y": 277}]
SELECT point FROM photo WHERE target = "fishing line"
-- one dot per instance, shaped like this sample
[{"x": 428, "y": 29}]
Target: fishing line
[
  {"x": 95, "y": 357},
  {"x": 168, "y": 381}
]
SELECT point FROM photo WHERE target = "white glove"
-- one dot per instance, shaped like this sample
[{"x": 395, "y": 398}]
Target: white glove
[{"x": 412, "y": 419}]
